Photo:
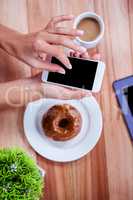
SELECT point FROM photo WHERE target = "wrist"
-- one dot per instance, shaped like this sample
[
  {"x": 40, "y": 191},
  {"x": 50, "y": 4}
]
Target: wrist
[
  {"x": 29, "y": 90},
  {"x": 20, "y": 92},
  {"x": 8, "y": 40}
]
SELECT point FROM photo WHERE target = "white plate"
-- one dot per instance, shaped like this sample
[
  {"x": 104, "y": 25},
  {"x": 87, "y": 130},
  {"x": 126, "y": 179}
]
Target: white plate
[{"x": 74, "y": 148}]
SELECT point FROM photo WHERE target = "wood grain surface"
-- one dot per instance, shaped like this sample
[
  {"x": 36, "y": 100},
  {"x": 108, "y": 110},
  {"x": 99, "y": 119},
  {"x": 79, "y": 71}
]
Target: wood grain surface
[{"x": 106, "y": 173}]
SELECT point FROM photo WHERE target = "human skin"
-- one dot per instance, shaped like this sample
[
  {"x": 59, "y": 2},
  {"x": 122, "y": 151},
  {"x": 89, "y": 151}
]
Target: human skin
[
  {"x": 36, "y": 49},
  {"x": 33, "y": 48},
  {"x": 20, "y": 92}
]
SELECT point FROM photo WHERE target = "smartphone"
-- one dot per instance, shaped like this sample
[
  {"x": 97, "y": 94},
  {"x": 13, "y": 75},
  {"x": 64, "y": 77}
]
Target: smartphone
[{"x": 85, "y": 74}]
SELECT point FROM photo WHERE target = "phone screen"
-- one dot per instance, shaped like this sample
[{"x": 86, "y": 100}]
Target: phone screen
[
  {"x": 82, "y": 74},
  {"x": 128, "y": 92}
]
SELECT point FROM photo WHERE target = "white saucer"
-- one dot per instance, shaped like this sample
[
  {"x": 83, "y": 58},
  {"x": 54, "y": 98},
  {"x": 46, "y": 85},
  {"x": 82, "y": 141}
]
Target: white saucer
[{"x": 72, "y": 149}]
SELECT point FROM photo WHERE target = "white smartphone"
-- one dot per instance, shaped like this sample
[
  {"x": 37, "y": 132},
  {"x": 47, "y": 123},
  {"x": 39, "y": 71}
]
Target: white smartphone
[{"x": 85, "y": 74}]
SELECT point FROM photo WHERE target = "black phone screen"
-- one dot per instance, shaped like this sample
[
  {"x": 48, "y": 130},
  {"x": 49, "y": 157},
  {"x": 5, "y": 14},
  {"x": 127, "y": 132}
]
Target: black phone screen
[
  {"x": 82, "y": 74},
  {"x": 128, "y": 92}
]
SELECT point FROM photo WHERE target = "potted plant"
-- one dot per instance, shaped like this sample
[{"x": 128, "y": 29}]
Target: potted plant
[{"x": 20, "y": 177}]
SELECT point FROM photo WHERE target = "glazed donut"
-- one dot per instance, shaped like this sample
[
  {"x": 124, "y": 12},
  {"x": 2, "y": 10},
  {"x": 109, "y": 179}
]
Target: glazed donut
[{"x": 62, "y": 122}]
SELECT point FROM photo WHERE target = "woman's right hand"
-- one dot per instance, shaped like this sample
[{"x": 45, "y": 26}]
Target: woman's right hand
[
  {"x": 58, "y": 92},
  {"x": 19, "y": 93}
]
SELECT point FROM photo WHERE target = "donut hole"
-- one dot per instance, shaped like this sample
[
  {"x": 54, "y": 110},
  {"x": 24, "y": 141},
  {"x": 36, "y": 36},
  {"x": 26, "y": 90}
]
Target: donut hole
[{"x": 64, "y": 123}]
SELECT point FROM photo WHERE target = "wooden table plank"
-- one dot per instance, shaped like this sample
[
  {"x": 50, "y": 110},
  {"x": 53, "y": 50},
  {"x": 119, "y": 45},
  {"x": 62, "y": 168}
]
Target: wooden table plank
[
  {"x": 119, "y": 151},
  {"x": 14, "y": 15},
  {"x": 106, "y": 172}
]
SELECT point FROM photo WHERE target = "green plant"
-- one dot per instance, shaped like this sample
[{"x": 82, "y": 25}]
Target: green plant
[{"x": 20, "y": 178}]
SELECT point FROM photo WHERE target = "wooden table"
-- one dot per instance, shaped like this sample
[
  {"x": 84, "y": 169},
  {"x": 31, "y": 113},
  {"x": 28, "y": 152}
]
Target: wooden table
[{"x": 107, "y": 171}]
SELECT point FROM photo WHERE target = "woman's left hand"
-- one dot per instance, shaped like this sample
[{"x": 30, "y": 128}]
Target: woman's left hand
[
  {"x": 32, "y": 48},
  {"x": 35, "y": 49}
]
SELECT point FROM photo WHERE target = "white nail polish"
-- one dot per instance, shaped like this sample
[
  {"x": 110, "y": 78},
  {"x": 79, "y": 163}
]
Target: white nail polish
[
  {"x": 62, "y": 72},
  {"x": 69, "y": 66}
]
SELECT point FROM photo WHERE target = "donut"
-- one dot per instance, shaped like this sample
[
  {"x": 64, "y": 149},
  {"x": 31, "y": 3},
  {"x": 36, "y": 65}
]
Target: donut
[{"x": 62, "y": 122}]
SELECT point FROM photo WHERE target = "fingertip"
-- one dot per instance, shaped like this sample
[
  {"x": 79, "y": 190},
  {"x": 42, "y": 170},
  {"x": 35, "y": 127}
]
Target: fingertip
[
  {"x": 68, "y": 64},
  {"x": 79, "y": 32},
  {"x": 61, "y": 71}
]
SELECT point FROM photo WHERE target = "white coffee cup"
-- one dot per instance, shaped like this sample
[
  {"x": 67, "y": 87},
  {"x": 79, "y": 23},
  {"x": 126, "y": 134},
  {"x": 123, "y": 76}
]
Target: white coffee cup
[{"x": 93, "y": 43}]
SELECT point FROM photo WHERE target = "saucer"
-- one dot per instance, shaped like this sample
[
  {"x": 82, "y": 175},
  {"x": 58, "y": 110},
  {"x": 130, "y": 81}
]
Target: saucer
[{"x": 69, "y": 150}]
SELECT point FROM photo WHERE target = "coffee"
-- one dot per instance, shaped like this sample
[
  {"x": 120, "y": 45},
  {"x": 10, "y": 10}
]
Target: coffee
[{"x": 90, "y": 27}]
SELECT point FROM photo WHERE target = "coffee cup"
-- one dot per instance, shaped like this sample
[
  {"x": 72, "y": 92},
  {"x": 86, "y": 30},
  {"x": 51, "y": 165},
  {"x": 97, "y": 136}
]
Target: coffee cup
[{"x": 93, "y": 27}]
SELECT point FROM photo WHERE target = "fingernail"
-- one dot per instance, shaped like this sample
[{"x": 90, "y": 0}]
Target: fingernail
[
  {"x": 82, "y": 49},
  {"x": 80, "y": 32},
  {"x": 69, "y": 66},
  {"x": 62, "y": 71}
]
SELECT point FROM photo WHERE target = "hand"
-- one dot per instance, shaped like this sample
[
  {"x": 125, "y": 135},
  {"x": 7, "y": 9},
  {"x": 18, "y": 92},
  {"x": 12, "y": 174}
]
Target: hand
[
  {"x": 49, "y": 90},
  {"x": 20, "y": 92},
  {"x": 55, "y": 91},
  {"x": 59, "y": 92},
  {"x": 33, "y": 48}
]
